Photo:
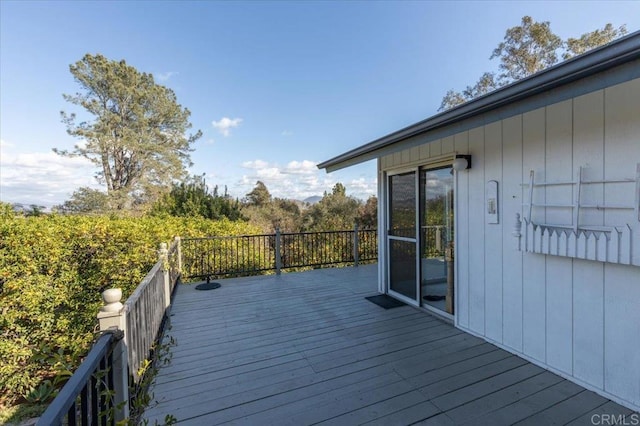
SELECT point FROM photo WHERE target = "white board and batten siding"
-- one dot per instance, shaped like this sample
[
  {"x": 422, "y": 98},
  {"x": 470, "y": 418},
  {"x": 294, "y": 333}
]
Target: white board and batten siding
[{"x": 576, "y": 316}]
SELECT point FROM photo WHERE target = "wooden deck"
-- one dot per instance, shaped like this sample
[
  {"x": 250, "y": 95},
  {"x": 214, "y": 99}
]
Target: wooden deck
[{"x": 307, "y": 348}]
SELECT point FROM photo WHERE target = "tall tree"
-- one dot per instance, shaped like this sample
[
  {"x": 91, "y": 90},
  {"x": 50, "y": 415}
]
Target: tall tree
[
  {"x": 335, "y": 211},
  {"x": 485, "y": 84},
  {"x": 368, "y": 213},
  {"x": 591, "y": 40},
  {"x": 137, "y": 134},
  {"x": 85, "y": 200},
  {"x": 526, "y": 49},
  {"x": 269, "y": 213},
  {"x": 339, "y": 190},
  {"x": 259, "y": 195}
]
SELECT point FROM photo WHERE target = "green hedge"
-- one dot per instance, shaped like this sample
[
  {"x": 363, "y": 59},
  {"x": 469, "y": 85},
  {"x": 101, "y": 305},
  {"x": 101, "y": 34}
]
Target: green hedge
[{"x": 53, "y": 269}]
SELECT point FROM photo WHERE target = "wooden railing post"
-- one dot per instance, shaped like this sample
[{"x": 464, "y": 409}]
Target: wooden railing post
[
  {"x": 163, "y": 257},
  {"x": 356, "y": 256},
  {"x": 278, "y": 258},
  {"x": 179, "y": 254},
  {"x": 112, "y": 316}
]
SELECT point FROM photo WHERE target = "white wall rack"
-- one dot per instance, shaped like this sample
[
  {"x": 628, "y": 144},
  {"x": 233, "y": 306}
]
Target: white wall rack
[{"x": 604, "y": 243}]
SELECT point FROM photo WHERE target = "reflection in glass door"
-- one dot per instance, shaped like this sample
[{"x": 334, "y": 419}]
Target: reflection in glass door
[
  {"x": 402, "y": 239},
  {"x": 436, "y": 238}
]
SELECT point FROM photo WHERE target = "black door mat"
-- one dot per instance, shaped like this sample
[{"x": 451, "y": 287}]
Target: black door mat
[{"x": 385, "y": 301}]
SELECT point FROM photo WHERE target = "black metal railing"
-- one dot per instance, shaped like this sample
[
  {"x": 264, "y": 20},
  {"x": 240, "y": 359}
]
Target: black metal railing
[
  {"x": 316, "y": 248},
  {"x": 87, "y": 398},
  {"x": 223, "y": 256},
  {"x": 254, "y": 254},
  {"x": 367, "y": 245}
]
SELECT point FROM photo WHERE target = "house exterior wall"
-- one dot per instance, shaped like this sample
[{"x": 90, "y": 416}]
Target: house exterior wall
[{"x": 579, "y": 318}]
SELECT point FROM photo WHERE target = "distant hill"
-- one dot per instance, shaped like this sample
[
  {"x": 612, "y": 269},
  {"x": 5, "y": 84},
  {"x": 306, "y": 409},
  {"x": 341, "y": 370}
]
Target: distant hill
[{"x": 312, "y": 200}]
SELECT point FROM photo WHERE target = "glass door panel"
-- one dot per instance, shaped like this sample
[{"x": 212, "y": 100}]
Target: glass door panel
[
  {"x": 402, "y": 239},
  {"x": 436, "y": 238}
]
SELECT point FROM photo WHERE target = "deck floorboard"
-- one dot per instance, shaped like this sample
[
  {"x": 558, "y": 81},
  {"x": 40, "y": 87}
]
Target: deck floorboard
[{"x": 308, "y": 348}]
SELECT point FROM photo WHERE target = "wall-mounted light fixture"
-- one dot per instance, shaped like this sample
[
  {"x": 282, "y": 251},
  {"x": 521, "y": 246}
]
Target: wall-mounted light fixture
[{"x": 461, "y": 162}]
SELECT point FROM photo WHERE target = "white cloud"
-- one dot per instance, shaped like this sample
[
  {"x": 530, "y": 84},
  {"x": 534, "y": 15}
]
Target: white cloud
[
  {"x": 363, "y": 186},
  {"x": 255, "y": 164},
  {"x": 269, "y": 173},
  {"x": 225, "y": 124},
  {"x": 164, "y": 76},
  {"x": 42, "y": 178},
  {"x": 304, "y": 167},
  {"x": 297, "y": 180},
  {"x": 286, "y": 133}
]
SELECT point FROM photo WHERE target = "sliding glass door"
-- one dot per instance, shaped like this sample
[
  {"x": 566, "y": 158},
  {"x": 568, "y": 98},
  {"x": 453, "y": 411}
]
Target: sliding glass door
[{"x": 420, "y": 237}]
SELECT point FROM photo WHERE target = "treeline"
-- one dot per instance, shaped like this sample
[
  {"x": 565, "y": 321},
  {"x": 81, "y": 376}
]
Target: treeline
[
  {"x": 335, "y": 211},
  {"x": 194, "y": 198}
]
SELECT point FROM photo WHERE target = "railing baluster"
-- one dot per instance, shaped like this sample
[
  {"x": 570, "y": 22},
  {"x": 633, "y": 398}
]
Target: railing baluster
[
  {"x": 278, "y": 252},
  {"x": 226, "y": 255},
  {"x": 202, "y": 267},
  {"x": 101, "y": 392},
  {"x": 94, "y": 400},
  {"x": 84, "y": 406},
  {"x": 110, "y": 381},
  {"x": 323, "y": 256},
  {"x": 72, "y": 415},
  {"x": 252, "y": 250}
]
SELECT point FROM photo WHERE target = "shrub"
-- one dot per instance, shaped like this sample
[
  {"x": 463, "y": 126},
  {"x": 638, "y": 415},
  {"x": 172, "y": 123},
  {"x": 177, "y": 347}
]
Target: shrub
[{"x": 53, "y": 269}]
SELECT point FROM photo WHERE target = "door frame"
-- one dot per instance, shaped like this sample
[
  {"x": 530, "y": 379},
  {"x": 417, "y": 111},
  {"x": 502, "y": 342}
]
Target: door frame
[{"x": 384, "y": 268}]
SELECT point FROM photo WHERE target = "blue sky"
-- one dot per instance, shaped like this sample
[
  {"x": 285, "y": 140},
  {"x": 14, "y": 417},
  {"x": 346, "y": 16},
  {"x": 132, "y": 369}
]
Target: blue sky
[{"x": 276, "y": 87}]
